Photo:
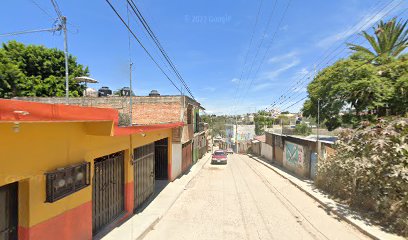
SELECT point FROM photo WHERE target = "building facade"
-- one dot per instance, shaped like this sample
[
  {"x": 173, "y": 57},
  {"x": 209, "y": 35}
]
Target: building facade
[
  {"x": 71, "y": 172},
  {"x": 187, "y": 140},
  {"x": 242, "y": 134}
]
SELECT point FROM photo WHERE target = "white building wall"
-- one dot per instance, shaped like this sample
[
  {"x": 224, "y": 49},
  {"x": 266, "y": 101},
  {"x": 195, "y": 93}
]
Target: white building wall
[
  {"x": 175, "y": 160},
  {"x": 266, "y": 151}
]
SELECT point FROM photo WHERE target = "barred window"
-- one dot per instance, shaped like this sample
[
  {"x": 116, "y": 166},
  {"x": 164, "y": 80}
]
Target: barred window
[{"x": 65, "y": 181}]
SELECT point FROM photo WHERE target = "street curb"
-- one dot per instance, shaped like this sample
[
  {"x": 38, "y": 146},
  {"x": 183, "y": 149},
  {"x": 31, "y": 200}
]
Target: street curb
[
  {"x": 326, "y": 207},
  {"x": 157, "y": 220},
  {"x": 148, "y": 229}
]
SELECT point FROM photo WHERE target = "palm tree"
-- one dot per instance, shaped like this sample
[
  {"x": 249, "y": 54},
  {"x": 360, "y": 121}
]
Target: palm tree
[{"x": 389, "y": 39}]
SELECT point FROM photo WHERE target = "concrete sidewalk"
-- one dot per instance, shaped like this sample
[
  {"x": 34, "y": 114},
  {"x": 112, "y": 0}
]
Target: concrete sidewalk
[
  {"x": 331, "y": 206},
  {"x": 139, "y": 224}
]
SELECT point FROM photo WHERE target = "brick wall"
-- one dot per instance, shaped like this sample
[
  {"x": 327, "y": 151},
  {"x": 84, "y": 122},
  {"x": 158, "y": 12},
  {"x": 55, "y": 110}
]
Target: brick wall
[
  {"x": 146, "y": 110},
  {"x": 148, "y": 113}
]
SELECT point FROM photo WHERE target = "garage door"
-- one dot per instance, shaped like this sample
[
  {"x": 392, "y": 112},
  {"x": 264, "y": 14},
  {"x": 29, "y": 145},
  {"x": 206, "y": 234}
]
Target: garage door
[
  {"x": 108, "y": 190},
  {"x": 143, "y": 173}
]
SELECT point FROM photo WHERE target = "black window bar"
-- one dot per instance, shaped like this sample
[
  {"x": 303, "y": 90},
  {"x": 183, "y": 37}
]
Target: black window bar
[{"x": 65, "y": 181}]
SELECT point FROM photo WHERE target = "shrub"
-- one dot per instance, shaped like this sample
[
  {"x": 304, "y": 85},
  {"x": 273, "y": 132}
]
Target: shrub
[
  {"x": 370, "y": 171},
  {"x": 303, "y": 129}
]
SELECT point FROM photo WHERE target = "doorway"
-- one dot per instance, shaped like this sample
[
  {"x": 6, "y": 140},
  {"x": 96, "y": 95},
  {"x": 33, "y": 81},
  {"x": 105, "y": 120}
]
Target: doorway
[
  {"x": 9, "y": 212},
  {"x": 161, "y": 159}
]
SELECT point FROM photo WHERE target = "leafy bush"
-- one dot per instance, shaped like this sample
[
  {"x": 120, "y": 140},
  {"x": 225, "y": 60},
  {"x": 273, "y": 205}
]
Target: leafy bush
[
  {"x": 303, "y": 129},
  {"x": 370, "y": 171}
]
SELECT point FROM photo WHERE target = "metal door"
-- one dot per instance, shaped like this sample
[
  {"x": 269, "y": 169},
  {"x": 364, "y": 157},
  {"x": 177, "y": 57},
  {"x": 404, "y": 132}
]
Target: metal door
[
  {"x": 108, "y": 190},
  {"x": 9, "y": 212},
  {"x": 187, "y": 157},
  {"x": 143, "y": 169},
  {"x": 161, "y": 159}
]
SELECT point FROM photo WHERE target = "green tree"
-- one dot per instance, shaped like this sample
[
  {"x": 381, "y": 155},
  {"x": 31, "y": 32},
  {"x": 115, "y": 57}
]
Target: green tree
[
  {"x": 303, "y": 129},
  {"x": 34, "y": 70},
  {"x": 389, "y": 39},
  {"x": 352, "y": 90},
  {"x": 262, "y": 119}
]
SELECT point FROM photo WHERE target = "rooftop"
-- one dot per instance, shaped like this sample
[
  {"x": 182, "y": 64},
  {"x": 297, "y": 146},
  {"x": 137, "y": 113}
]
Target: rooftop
[{"x": 23, "y": 111}]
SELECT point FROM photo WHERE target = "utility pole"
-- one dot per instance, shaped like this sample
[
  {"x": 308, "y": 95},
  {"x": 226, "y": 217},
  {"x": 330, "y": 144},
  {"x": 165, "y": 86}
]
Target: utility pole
[
  {"x": 130, "y": 72},
  {"x": 236, "y": 134},
  {"x": 130, "y": 94},
  {"x": 212, "y": 133},
  {"x": 64, "y": 28},
  {"x": 318, "y": 119},
  {"x": 318, "y": 127},
  {"x": 61, "y": 26}
]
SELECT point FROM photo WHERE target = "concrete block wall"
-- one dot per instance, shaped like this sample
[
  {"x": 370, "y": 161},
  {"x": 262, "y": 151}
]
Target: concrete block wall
[
  {"x": 266, "y": 151},
  {"x": 301, "y": 147},
  {"x": 176, "y": 160}
]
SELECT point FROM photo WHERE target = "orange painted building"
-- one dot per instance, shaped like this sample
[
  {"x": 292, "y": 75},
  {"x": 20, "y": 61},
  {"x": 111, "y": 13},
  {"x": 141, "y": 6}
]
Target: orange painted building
[{"x": 69, "y": 172}]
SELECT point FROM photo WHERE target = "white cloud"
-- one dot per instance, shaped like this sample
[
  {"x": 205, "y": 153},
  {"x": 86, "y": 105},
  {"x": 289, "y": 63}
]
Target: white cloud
[
  {"x": 285, "y": 28},
  {"x": 301, "y": 74},
  {"x": 235, "y": 80},
  {"x": 270, "y": 75},
  {"x": 262, "y": 86},
  {"x": 209, "y": 89},
  {"x": 283, "y": 57},
  {"x": 368, "y": 20}
]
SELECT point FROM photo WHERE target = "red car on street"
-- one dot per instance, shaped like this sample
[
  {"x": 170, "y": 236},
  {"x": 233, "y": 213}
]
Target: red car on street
[{"x": 219, "y": 157}]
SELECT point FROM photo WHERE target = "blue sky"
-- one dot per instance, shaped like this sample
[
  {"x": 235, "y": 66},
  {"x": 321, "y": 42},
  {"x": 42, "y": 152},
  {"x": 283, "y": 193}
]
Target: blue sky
[{"x": 208, "y": 41}]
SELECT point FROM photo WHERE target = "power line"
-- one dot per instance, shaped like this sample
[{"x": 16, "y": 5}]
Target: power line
[
  {"x": 269, "y": 46},
  {"x": 156, "y": 53},
  {"x": 248, "y": 50},
  {"x": 303, "y": 79},
  {"x": 259, "y": 46},
  {"x": 31, "y": 31},
  {"x": 158, "y": 44},
  {"x": 299, "y": 94},
  {"x": 356, "y": 68},
  {"x": 141, "y": 44},
  {"x": 42, "y": 9},
  {"x": 57, "y": 9},
  {"x": 283, "y": 98}
]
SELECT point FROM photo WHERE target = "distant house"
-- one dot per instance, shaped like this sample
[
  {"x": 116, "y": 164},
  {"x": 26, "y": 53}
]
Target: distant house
[{"x": 242, "y": 134}]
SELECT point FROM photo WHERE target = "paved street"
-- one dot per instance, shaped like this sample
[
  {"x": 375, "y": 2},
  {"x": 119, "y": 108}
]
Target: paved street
[{"x": 246, "y": 200}]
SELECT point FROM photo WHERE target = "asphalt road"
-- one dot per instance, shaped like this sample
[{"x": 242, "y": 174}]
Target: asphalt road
[{"x": 246, "y": 200}]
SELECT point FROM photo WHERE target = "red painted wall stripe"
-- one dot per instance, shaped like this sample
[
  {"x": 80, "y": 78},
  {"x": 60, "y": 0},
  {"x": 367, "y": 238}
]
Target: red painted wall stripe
[{"x": 75, "y": 223}]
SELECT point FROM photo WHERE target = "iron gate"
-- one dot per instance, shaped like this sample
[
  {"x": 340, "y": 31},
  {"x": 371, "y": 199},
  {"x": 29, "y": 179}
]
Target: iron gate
[
  {"x": 187, "y": 157},
  {"x": 108, "y": 190},
  {"x": 161, "y": 159},
  {"x": 143, "y": 168},
  {"x": 9, "y": 212}
]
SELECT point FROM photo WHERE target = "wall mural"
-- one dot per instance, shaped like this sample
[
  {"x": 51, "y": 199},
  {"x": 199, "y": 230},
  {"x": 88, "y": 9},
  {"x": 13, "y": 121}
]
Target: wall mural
[{"x": 294, "y": 154}]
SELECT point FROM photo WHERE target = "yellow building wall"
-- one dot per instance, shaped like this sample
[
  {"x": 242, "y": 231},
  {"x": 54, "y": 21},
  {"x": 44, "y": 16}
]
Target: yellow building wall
[{"x": 41, "y": 147}]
